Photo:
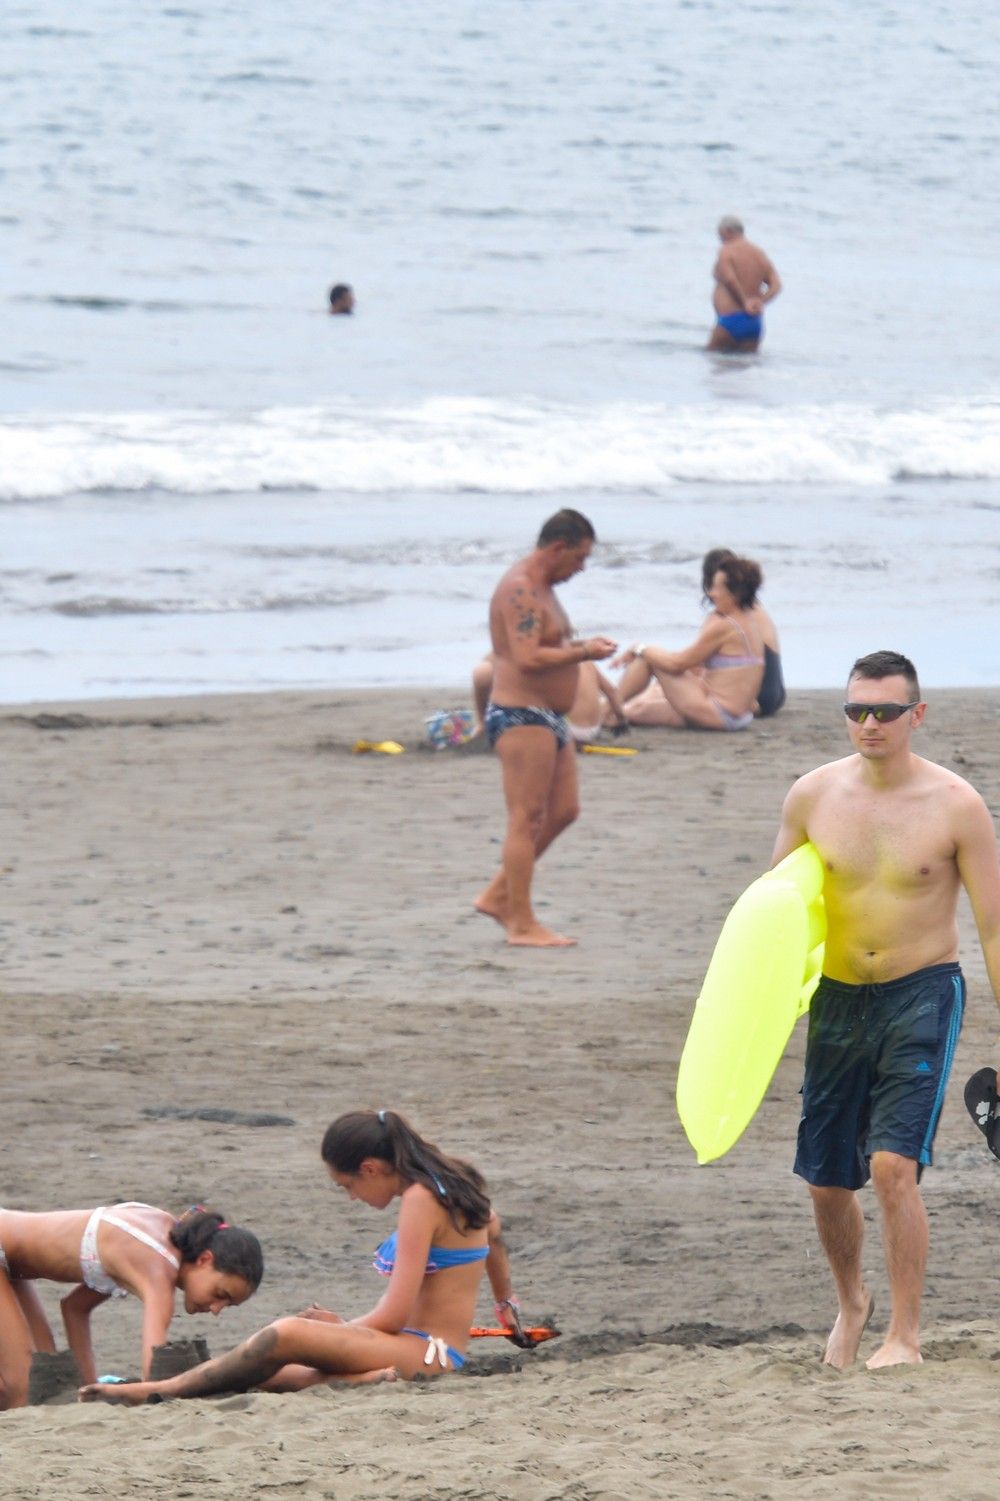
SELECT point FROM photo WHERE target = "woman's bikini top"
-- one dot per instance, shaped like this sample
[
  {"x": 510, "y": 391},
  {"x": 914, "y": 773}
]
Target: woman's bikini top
[
  {"x": 439, "y": 1258},
  {"x": 718, "y": 660},
  {"x": 93, "y": 1271}
]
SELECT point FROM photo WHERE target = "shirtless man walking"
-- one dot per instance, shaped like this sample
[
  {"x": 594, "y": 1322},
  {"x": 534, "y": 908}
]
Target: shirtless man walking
[
  {"x": 536, "y": 665},
  {"x": 744, "y": 281},
  {"x": 898, "y": 836}
]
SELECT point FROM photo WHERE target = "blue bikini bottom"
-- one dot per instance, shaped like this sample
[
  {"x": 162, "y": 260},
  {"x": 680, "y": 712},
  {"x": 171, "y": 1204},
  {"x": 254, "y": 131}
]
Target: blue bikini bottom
[{"x": 458, "y": 1361}]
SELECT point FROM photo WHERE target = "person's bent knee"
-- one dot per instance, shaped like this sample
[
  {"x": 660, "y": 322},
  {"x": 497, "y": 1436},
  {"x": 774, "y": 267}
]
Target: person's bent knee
[
  {"x": 566, "y": 816},
  {"x": 278, "y": 1338},
  {"x": 13, "y": 1393}
]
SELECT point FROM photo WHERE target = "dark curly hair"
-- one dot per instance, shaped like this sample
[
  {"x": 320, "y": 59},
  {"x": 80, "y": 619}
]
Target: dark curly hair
[
  {"x": 233, "y": 1249},
  {"x": 743, "y": 578}
]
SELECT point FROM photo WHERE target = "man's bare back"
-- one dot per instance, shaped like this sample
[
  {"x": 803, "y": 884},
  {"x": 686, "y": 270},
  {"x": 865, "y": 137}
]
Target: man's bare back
[
  {"x": 745, "y": 281},
  {"x": 744, "y": 266}
]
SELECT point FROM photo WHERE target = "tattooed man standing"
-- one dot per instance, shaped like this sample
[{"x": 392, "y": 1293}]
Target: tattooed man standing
[{"x": 535, "y": 675}]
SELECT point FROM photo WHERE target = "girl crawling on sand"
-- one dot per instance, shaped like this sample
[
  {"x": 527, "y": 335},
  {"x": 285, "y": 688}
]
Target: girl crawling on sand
[
  {"x": 110, "y": 1252},
  {"x": 434, "y": 1260}
]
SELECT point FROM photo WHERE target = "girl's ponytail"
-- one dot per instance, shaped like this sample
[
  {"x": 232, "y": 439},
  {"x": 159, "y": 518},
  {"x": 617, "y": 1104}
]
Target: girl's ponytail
[{"x": 387, "y": 1135}]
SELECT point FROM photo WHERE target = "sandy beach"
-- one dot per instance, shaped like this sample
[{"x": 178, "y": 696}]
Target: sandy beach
[{"x": 214, "y": 905}]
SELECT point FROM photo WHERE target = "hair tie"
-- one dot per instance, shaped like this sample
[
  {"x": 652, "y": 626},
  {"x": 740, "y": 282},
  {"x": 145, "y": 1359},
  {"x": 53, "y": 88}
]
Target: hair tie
[
  {"x": 223, "y": 1226},
  {"x": 381, "y": 1117}
]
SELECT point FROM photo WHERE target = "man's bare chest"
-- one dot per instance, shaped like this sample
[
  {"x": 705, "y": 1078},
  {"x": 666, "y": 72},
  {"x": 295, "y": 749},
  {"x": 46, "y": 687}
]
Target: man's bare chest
[
  {"x": 862, "y": 840},
  {"x": 555, "y": 626}
]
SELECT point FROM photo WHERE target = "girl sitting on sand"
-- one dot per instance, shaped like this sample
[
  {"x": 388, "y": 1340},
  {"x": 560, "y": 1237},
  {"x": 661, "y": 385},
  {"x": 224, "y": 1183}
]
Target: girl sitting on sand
[
  {"x": 110, "y": 1252},
  {"x": 445, "y": 1236}
]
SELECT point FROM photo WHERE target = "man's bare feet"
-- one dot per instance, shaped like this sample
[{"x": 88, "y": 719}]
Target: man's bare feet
[
  {"x": 845, "y": 1336},
  {"x": 537, "y": 937},
  {"x": 129, "y": 1393},
  {"x": 894, "y": 1352}
]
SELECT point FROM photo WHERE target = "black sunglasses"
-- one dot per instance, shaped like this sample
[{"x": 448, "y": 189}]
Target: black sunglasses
[{"x": 884, "y": 713}]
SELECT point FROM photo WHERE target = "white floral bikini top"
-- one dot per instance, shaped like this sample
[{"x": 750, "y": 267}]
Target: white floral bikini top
[{"x": 94, "y": 1274}]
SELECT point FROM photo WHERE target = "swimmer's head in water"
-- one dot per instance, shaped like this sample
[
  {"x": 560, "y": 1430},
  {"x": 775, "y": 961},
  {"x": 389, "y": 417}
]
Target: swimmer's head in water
[
  {"x": 342, "y": 298},
  {"x": 386, "y": 1136}
]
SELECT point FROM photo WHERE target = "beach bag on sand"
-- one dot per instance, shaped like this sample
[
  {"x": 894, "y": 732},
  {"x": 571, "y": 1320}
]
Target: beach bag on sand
[{"x": 450, "y": 727}]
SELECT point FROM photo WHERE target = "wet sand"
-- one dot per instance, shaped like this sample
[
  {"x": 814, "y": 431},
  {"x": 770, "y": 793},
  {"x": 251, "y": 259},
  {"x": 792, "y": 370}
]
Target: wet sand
[{"x": 214, "y": 908}]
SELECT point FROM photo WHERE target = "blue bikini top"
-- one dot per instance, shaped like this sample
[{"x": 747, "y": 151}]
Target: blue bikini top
[{"x": 439, "y": 1258}]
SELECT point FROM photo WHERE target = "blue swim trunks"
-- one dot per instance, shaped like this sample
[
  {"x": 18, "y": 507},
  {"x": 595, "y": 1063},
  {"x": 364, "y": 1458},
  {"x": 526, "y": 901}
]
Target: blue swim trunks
[
  {"x": 499, "y": 718},
  {"x": 742, "y": 325},
  {"x": 877, "y": 1063}
]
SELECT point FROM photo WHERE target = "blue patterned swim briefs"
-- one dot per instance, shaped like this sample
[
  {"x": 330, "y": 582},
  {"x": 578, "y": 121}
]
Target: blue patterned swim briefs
[{"x": 499, "y": 718}]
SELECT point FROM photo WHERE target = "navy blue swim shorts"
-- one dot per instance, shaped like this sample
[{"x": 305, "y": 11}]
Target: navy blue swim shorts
[{"x": 877, "y": 1063}]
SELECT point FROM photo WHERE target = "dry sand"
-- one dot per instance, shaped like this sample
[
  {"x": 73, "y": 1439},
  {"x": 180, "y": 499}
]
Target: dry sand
[{"x": 213, "y": 904}]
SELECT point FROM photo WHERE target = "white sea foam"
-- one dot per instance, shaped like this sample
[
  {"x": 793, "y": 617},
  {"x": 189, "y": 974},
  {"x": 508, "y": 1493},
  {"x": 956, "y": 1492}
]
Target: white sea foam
[{"x": 454, "y": 445}]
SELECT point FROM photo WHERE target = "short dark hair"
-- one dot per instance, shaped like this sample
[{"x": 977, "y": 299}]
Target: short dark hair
[
  {"x": 566, "y": 526},
  {"x": 340, "y": 290},
  {"x": 743, "y": 578},
  {"x": 886, "y": 664}
]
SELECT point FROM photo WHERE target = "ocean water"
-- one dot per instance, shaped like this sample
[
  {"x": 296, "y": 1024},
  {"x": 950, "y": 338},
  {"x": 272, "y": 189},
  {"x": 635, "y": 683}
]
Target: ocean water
[{"x": 206, "y": 483}]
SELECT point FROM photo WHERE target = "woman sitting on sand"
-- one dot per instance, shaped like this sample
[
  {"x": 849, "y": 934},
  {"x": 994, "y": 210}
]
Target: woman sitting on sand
[
  {"x": 110, "y": 1252},
  {"x": 434, "y": 1260},
  {"x": 771, "y": 696},
  {"x": 714, "y": 683}
]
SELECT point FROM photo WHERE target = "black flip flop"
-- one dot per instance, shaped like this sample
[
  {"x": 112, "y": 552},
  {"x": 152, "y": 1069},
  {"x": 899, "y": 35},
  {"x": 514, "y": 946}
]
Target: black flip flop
[{"x": 982, "y": 1104}]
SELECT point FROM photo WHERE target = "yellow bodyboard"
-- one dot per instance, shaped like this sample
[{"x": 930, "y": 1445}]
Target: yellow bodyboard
[{"x": 766, "y": 965}]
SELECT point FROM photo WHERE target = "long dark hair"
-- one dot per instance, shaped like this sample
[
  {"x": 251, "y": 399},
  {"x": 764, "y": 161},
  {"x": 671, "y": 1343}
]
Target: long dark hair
[
  {"x": 233, "y": 1249},
  {"x": 384, "y": 1134}
]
